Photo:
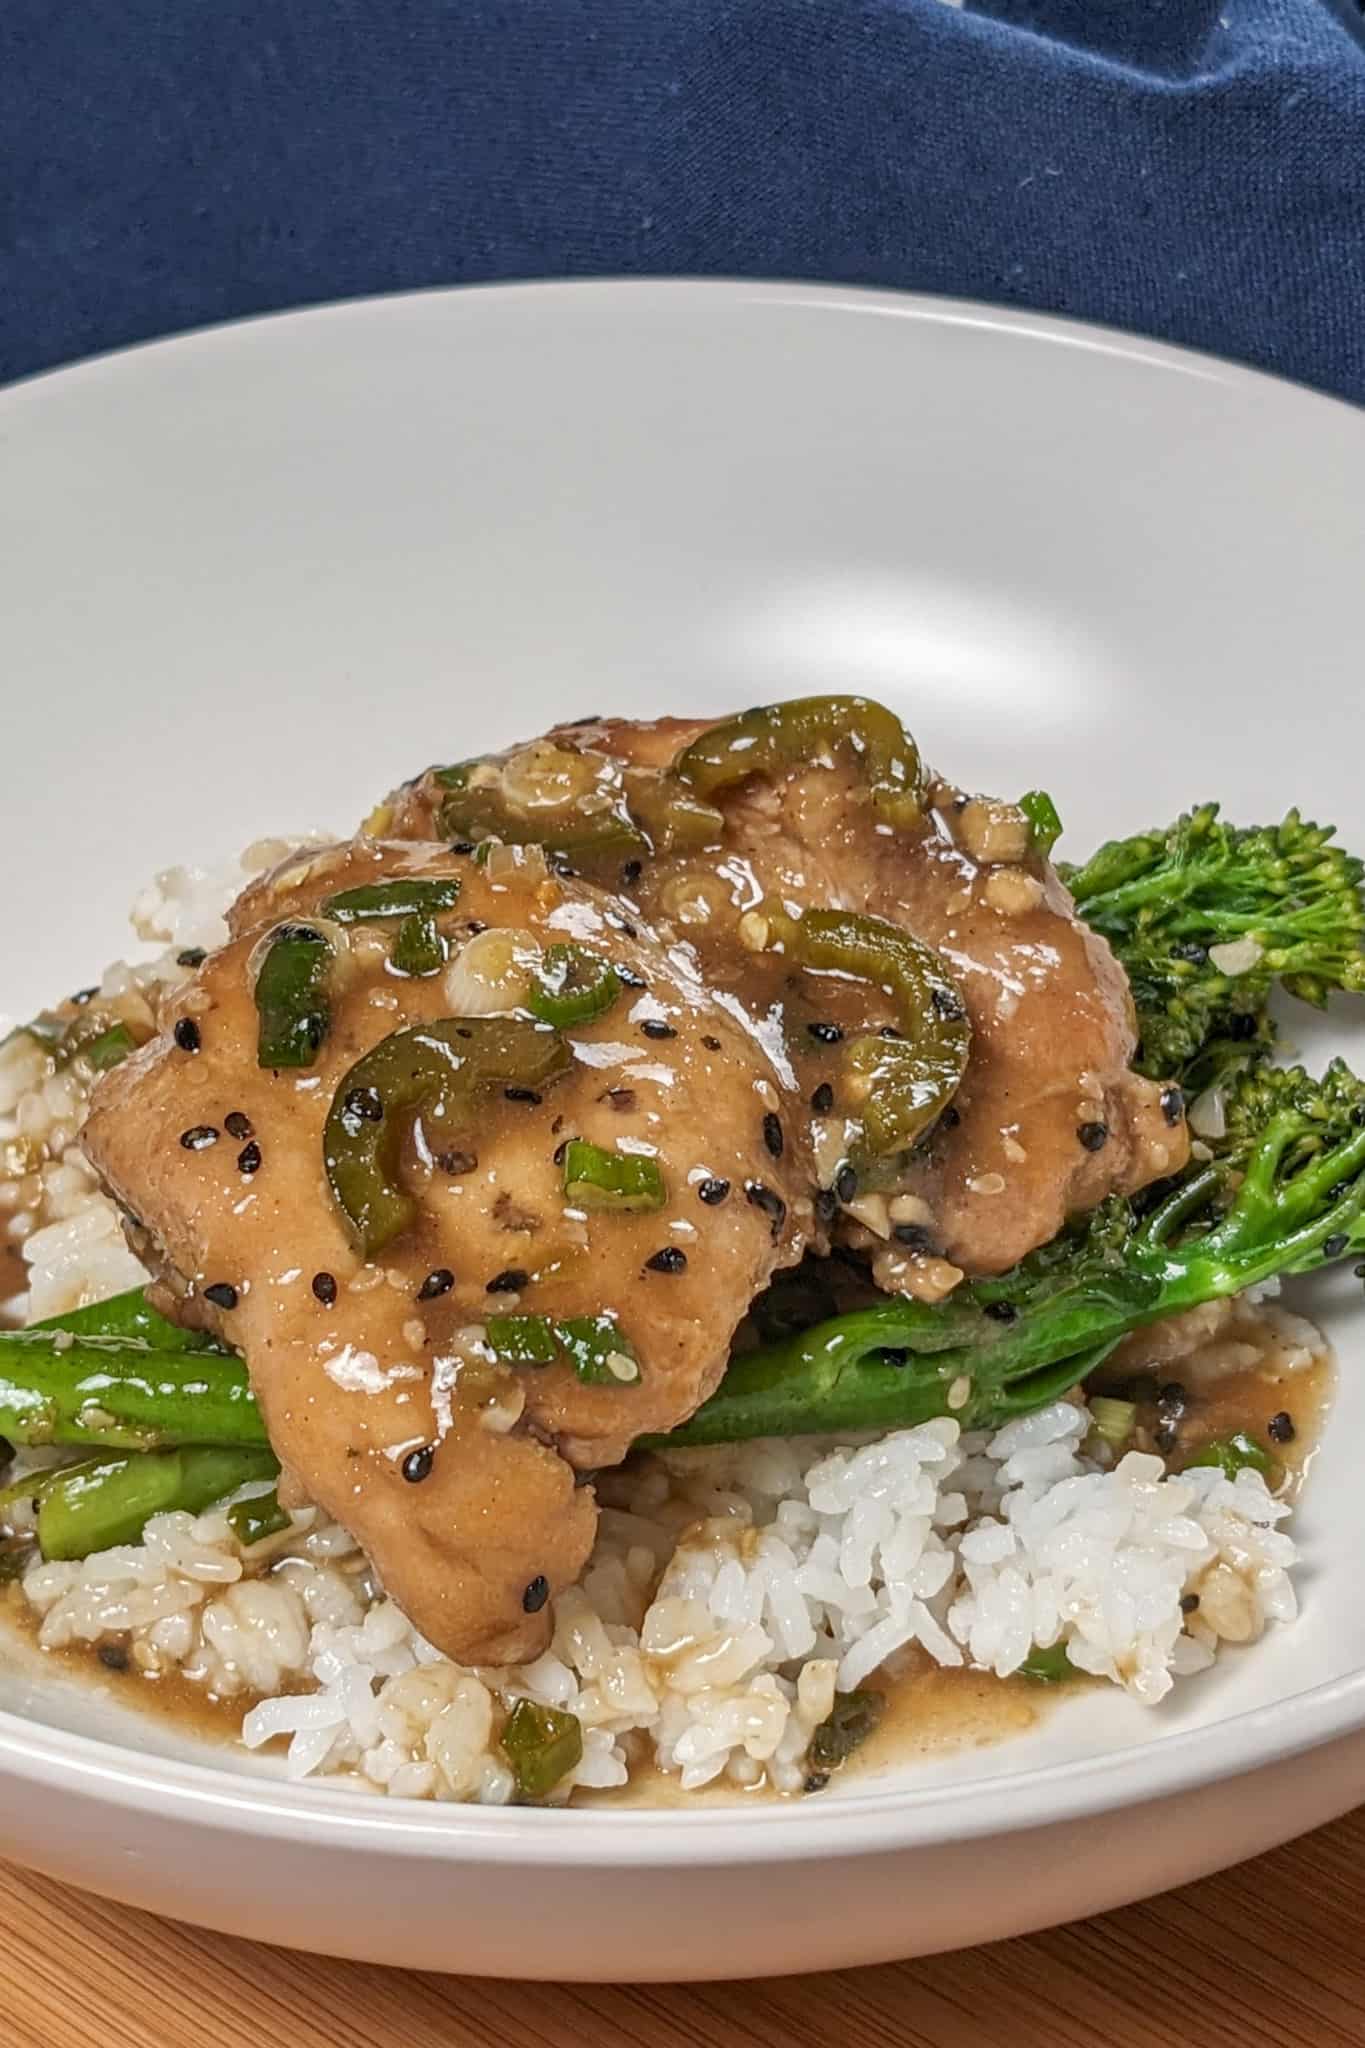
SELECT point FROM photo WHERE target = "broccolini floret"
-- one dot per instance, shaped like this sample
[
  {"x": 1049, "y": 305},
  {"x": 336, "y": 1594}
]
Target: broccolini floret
[{"x": 1207, "y": 917}]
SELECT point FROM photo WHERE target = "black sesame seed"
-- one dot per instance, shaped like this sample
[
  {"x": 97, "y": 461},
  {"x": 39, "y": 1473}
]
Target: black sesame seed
[
  {"x": 628, "y": 978},
  {"x": 325, "y": 1288},
  {"x": 890, "y": 1031},
  {"x": 1173, "y": 1398},
  {"x": 917, "y": 1239},
  {"x": 237, "y": 1124},
  {"x": 713, "y": 1191},
  {"x": 417, "y": 1464},
  {"x": 622, "y": 1100},
  {"x": 1001, "y": 1311},
  {"x": 816, "y": 1782},
  {"x": 1094, "y": 1136},
  {"x": 515, "y": 1094},
  {"x": 669, "y": 1260},
  {"x": 456, "y": 1163},
  {"x": 1164, "y": 1436},
  {"x": 187, "y": 1034},
  {"x": 462, "y": 846},
  {"x": 198, "y": 1136},
  {"x": 951, "y": 1118},
  {"x": 113, "y": 1656},
  {"x": 536, "y": 1594},
  {"x": 947, "y": 1003},
  {"x": 822, "y": 1099},
  {"x": 825, "y": 1034},
  {"x": 363, "y": 1105},
  {"x": 1280, "y": 1428},
  {"x": 193, "y": 956},
  {"x": 632, "y": 872},
  {"x": 1173, "y": 1104},
  {"x": 475, "y": 926},
  {"x": 711, "y": 1044},
  {"x": 772, "y": 1134},
  {"x": 249, "y": 1158},
  {"x": 1189, "y": 1602},
  {"x": 771, "y": 1203},
  {"x": 83, "y": 996},
  {"x": 845, "y": 1184},
  {"x": 222, "y": 1294},
  {"x": 655, "y": 1027},
  {"x": 438, "y": 1282},
  {"x": 511, "y": 1280},
  {"x": 826, "y": 1207},
  {"x": 1335, "y": 1245}
]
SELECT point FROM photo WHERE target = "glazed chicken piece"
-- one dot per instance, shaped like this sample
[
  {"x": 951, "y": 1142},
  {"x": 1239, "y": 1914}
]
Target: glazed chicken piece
[
  {"x": 450, "y": 1456},
  {"x": 1048, "y": 1118}
]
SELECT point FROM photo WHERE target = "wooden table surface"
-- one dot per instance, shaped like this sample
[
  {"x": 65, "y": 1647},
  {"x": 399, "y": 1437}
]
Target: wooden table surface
[{"x": 1270, "y": 1955}]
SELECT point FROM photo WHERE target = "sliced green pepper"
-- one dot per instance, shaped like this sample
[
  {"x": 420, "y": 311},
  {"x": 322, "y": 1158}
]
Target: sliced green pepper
[
  {"x": 1044, "y": 819},
  {"x": 774, "y": 738},
  {"x": 1234, "y": 1454},
  {"x": 291, "y": 998},
  {"x": 419, "y": 949},
  {"x": 601, "y": 835},
  {"x": 257, "y": 1517},
  {"x": 573, "y": 986},
  {"x": 597, "y": 1179},
  {"x": 444, "y": 1071},
  {"x": 409, "y": 896},
  {"x": 903, "y": 1083},
  {"x": 98, "y": 1504},
  {"x": 542, "y": 1744}
]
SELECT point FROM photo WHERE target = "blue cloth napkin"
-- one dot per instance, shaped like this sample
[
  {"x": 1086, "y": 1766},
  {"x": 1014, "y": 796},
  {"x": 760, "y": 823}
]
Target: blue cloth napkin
[{"x": 1163, "y": 165}]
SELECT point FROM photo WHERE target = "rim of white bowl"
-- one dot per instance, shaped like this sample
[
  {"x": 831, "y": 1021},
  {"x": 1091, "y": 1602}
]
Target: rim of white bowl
[{"x": 882, "y": 1818}]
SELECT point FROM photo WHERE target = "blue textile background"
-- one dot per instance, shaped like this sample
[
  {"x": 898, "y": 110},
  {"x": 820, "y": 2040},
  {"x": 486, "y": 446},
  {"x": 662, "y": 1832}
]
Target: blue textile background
[{"x": 1194, "y": 173}]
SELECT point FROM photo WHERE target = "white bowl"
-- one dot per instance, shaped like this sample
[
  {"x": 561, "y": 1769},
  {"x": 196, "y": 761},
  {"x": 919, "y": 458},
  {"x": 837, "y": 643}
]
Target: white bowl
[{"x": 251, "y": 578}]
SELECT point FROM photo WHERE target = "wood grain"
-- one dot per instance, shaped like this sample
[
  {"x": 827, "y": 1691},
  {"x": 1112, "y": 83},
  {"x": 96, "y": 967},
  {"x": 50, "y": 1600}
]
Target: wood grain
[{"x": 1266, "y": 1956}]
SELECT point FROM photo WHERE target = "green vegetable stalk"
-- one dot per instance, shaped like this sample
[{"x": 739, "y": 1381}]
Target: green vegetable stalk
[
  {"x": 124, "y": 1393},
  {"x": 99, "y": 1503},
  {"x": 1285, "y": 1194}
]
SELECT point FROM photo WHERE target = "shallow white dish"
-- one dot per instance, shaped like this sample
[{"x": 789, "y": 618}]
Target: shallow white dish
[{"x": 251, "y": 578}]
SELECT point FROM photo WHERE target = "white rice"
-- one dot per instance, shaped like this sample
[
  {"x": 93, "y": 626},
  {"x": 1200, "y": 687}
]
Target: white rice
[{"x": 731, "y": 1593}]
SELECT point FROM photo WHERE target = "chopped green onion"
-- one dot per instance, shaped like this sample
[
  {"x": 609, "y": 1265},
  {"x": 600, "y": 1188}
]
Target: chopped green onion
[
  {"x": 251, "y": 1521},
  {"x": 542, "y": 1745},
  {"x": 414, "y": 896},
  {"x": 1115, "y": 1421},
  {"x": 1051, "y": 1666},
  {"x": 291, "y": 999},
  {"x": 597, "y": 1179},
  {"x": 593, "y": 1345},
  {"x": 573, "y": 986},
  {"x": 419, "y": 949},
  {"x": 1233, "y": 1454},
  {"x": 523, "y": 1340},
  {"x": 851, "y": 1720},
  {"x": 110, "y": 1049},
  {"x": 1044, "y": 818},
  {"x": 598, "y": 1352}
]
